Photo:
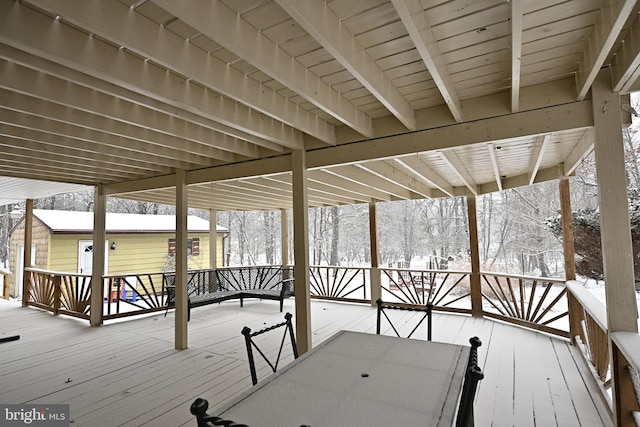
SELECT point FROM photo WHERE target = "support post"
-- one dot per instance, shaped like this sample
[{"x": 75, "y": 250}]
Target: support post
[
  {"x": 574, "y": 307},
  {"x": 182, "y": 299},
  {"x": 567, "y": 231},
  {"x": 284, "y": 237},
  {"x": 301, "y": 251},
  {"x": 98, "y": 252},
  {"x": 375, "y": 279},
  {"x": 617, "y": 251},
  {"x": 213, "y": 239},
  {"x": 28, "y": 242},
  {"x": 474, "y": 279}
]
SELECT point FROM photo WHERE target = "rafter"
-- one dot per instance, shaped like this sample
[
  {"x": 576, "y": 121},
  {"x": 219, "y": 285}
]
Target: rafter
[
  {"x": 625, "y": 69},
  {"x": 339, "y": 181},
  {"x": 494, "y": 164},
  {"x": 40, "y": 106},
  {"x": 112, "y": 20},
  {"x": 67, "y": 135},
  {"x": 60, "y": 43},
  {"x": 215, "y": 20},
  {"x": 582, "y": 149},
  {"x": 172, "y": 112},
  {"x": 412, "y": 15},
  {"x": 325, "y": 27},
  {"x": 537, "y": 155},
  {"x": 516, "y": 52},
  {"x": 613, "y": 15},
  {"x": 360, "y": 174},
  {"x": 385, "y": 170},
  {"x": 423, "y": 173},
  {"x": 456, "y": 165}
]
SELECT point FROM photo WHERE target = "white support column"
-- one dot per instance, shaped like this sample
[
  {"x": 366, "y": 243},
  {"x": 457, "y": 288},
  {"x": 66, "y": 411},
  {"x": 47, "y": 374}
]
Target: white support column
[
  {"x": 97, "y": 267},
  {"x": 181, "y": 311},
  {"x": 617, "y": 252},
  {"x": 213, "y": 239},
  {"x": 615, "y": 232},
  {"x": 284, "y": 236},
  {"x": 301, "y": 251},
  {"x": 475, "y": 280},
  {"x": 567, "y": 230},
  {"x": 28, "y": 242},
  {"x": 376, "y": 282}
]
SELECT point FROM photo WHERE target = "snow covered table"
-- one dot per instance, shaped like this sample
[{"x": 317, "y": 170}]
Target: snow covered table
[{"x": 358, "y": 379}]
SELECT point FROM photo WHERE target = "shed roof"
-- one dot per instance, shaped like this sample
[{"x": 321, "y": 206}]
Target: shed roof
[{"x": 82, "y": 222}]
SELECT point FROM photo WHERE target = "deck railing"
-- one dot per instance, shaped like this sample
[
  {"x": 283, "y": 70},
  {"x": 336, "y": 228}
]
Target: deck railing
[
  {"x": 549, "y": 305},
  {"x": 535, "y": 302},
  {"x": 527, "y": 301},
  {"x": 122, "y": 295},
  {"x": 340, "y": 283},
  {"x": 205, "y": 281},
  {"x": 60, "y": 293}
]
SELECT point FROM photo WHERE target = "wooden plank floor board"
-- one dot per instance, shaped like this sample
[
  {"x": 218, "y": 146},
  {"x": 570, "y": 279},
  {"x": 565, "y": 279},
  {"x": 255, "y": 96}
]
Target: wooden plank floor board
[
  {"x": 588, "y": 405},
  {"x": 495, "y": 396},
  {"x": 563, "y": 408},
  {"x": 127, "y": 373}
]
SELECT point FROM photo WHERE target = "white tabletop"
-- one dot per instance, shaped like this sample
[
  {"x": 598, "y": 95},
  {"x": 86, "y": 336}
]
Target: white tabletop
[{"x": 358, "y": 379}]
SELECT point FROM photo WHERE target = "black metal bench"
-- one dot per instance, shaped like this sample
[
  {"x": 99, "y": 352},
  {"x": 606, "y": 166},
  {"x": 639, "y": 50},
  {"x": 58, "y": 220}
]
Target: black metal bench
[{"x": 225, "y": 293}]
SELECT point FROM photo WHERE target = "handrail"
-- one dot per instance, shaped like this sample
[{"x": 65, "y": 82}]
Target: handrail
[
  {"x": 627, "y": 345},
  {"x": 590, "y": 303},
  {"x": 589, "y": 330},
  {"x": 55, "y": 273},
  {"x": 5, "y": 282}
]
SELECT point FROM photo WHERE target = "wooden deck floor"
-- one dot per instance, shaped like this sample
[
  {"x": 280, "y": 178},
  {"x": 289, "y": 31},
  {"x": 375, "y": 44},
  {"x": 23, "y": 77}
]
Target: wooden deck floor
[{"x": 128, "y": 374}]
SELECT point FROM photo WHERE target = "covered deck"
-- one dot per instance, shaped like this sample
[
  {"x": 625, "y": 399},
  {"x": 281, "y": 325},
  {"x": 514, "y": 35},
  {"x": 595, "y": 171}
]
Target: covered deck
[{"x": 127, "y": 373}]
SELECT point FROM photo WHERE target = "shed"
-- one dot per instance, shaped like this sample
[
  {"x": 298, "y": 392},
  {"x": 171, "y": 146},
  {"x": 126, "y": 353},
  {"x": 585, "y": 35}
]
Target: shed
[{"x": 62, "y": 241}]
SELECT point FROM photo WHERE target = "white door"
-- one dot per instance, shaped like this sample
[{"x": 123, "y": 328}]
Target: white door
[
  {"x": 85, "y": 260},
  {"x": 85, "y": 256},
  {"x": 20, "y": 269}
]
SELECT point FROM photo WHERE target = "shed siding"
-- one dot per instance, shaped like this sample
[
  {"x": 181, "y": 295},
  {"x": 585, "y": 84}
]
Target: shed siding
[{"x": 134, "y": 253}]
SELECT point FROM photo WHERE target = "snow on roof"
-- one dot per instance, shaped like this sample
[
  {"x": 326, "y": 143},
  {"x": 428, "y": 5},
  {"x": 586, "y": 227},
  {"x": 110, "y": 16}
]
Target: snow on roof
[{"x": 73, "y": 221}]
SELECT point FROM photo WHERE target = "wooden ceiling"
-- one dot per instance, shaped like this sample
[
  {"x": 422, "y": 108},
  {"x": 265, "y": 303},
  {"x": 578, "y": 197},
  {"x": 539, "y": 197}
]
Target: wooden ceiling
[{"x": 389, "y": 99}]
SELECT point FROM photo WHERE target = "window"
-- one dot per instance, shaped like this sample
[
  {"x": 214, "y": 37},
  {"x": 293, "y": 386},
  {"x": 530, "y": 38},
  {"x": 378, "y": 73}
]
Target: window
[{"x": 193, "y": 247}]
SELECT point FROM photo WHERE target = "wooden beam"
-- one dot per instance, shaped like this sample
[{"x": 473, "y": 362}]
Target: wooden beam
[
  {"x": 617, "y": 250},
  {"x": 213, "y": 239},
  {"x": 59, "y": 42},
  {"x": 301, "y": 252},
  {"x": 215, "y": 20},
  {"x": 567, "y": 230},
  {"x": 516, "y": 52},
  {"x": 613, "y": 16},
  {"x": 475, "y": 284},
  {"x": 536, "y": 157},
  {"x": 494, "y": 164},
  {"x": 324, "y": 26},
  {"x": 284, "y": 237},
  {"x": 414, "y": 19},
  {"x": 98, "y": 255},
  {"x": 27, "y": 260},
  {"x": 182, "y": 297},
  {"x": 532, "y": 122},
  {"x": 376, "y": 280}
]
